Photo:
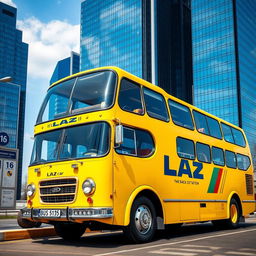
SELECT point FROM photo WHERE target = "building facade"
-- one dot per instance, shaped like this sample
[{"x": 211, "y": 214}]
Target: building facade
[
  {"x": 224, "y": 61},
  {"x": 148, "y": 38},
  {"x": 13, "y": 62},
  {"x": 66, "y": 67}
]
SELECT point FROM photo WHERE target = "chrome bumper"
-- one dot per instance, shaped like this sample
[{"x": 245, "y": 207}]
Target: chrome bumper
[{"x": 68, "y": 214}]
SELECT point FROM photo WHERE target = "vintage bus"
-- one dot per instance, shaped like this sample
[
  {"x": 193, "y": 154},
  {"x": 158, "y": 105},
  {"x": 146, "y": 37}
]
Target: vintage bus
[{"x": 112, "y": 151}]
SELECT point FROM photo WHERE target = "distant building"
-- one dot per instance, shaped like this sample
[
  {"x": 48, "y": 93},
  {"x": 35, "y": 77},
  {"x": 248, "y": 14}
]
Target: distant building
[
  {"x": 13, "y": 62},
  {"x": 148, "y": 38},
  {"x": 66, "y": 67},
  {"x": 224, "y": 61}
]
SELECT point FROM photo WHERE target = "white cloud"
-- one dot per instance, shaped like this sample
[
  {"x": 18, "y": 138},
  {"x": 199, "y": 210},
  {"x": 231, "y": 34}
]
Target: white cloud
[
  {"x": 48, "y": 43},
  {"x": 9, "y": 2}
]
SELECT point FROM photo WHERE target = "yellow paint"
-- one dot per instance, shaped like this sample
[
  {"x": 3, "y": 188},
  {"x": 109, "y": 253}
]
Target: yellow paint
[{"x": 120, "y": 178}]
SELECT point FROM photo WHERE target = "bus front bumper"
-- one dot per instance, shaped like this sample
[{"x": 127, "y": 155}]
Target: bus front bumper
[{"x": 67, "y": 214}]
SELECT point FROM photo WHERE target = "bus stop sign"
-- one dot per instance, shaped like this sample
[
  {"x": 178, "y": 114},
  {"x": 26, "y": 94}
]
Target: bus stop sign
[{"x": 4, "y": 139}]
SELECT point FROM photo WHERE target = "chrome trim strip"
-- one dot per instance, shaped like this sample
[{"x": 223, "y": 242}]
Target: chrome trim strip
[
  {"x": 192, "y": 200},
  {"x": 249, "y": 201},
  {"x": 70, "y": 213}
]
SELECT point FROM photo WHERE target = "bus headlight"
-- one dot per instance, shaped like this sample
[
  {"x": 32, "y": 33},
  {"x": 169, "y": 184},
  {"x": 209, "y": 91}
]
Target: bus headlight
[
  {"x": 31, "y": 190},
  {"x": 89, "y": 187}
]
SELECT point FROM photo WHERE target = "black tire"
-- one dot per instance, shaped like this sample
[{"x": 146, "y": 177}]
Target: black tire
[
  {"x": 69, "y": 231},
  {"x": 142, "y": 227},
  {"x": 24, "y": 223},
  {"x": 234, "y": 217}
]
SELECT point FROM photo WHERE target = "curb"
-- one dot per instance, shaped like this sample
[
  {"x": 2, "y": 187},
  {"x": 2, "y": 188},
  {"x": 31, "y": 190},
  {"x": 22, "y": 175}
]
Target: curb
[{"x": 16, "y": 234}]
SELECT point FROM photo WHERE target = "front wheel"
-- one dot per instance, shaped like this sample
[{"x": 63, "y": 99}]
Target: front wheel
[
  {"x": 69, "y": 231},
  {"x": 142, "y": 225}
]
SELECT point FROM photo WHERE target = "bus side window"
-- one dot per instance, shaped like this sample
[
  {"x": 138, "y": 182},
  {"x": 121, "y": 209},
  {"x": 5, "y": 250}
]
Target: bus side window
[
  {"x": 155, "y": 105},
  {"x": 238, "y": 137},
  {"x": 228, "y": 136},
  {"x": 145, "y": 143},
  {"x": 201, "y": 123},
  {"x": 218, "y": 156},
  {"x": 203, "y": 152},
  {"x": 128, "y": 147},
  {"x": 243, "y": 162},
  {"x": 230, "y": 159},
  {"x": 130, "y": 97},
  {"x": 185, "y": 148},
  {"x": 181, "y": 115},
  {"x": 136, "y": 143}
]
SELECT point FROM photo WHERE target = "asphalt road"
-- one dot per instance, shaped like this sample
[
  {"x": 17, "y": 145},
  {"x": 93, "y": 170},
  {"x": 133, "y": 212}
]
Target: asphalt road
[
  {"x": 189, "y": 240},
  {"x": 10, "y": 224}
]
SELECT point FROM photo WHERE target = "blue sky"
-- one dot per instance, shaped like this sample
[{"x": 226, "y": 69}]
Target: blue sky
[{"x": 52, "y": 30}]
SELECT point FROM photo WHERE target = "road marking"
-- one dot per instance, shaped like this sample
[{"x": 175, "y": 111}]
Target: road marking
[
  {"x": 45, "y": 252},
  {"x": 201, "y": 246},
  {"x": 164, "y": 251},
  {"x": 178, "y": 242},
  {"x": 248, "y": 249},
  {"x": 241, "y": 253},
  {"x": 190, "y": 250}
]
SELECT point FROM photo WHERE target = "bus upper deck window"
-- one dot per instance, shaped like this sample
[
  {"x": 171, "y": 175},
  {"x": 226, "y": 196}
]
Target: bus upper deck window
[
  {"x": 181, "y": 115},
  {"x": 130, "y": 97},
  {"x": 93, "y": 92},
  {"x": 155, "y": 105}
]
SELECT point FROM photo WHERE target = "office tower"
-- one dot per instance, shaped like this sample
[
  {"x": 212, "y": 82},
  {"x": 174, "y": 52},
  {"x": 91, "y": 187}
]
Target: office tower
[
  {"x": 13, "y": 62},
  {"x": 224, "y": 61},
  {"x": 66, "y": 67},
  {"x": 148, "y": 38}
]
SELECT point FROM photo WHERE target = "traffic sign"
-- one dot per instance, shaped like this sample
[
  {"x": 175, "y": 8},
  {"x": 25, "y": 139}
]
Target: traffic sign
[{"x": 4, "y": 138}]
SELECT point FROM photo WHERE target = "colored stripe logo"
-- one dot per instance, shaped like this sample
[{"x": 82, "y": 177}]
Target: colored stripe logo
[{"x": 215, "y": 180}]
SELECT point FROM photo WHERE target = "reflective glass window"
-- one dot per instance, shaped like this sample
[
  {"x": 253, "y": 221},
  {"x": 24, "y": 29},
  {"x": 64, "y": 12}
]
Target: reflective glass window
[
  {"x": 130, "y": 97},
  {"x": 218, "y": 156},
  {"x": 136, "y": 143},
  {"x": 228, "y": 136},
  {"x": 238, "y": 137},
  {"x": 203, "y": 152},
  {"x": 243, "y": 162},
  {"x": 230, "y": 159},
  {"x": 185, "y": 148},
  {"x": 155, "y": 105},
  {"x": 181, "y": 115},
  {"x": 201, "y": 123}
]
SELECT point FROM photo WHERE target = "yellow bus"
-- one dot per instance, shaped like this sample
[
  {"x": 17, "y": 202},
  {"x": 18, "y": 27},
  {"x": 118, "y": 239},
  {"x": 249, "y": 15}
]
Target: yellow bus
[{"x": 113, "y": 151}]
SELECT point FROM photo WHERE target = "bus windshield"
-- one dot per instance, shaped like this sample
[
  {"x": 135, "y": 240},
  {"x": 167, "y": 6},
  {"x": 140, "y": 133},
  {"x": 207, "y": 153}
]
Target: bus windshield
[
  {"x": 90, "y": 92},
  {"x": 84, "y": 141}
]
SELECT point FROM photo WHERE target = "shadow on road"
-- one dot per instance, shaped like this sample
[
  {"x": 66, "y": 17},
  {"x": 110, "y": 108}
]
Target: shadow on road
[{"x": 117, "y": 239}]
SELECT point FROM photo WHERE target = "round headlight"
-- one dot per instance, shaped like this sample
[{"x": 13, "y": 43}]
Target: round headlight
[
  {"x": 89, "y": 186},
  {"x": 31, "y": 189}
]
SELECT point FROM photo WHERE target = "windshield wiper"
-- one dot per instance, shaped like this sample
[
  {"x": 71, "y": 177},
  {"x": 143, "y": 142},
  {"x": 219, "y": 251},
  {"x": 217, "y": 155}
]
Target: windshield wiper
[{"x": 56, "y": 150}]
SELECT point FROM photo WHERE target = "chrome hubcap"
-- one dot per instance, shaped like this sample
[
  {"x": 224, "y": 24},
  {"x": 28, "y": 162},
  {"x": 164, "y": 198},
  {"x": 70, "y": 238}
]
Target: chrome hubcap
[{"x": 143, "y": 219}]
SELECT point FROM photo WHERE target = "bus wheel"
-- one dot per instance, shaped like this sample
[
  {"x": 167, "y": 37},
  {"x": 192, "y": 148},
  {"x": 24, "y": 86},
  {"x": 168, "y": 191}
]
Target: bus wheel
[
  {"x": 233, "y": 220},
  {"x": 69, "y": 231},
  {"x": 142, "y": 225}
]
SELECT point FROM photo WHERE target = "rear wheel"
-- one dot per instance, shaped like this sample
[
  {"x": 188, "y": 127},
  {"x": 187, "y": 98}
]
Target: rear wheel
[
  {"x": 69, "y": 231},
  {"x": 234, "y": 216},
  {"x": 142, "y": 225}
]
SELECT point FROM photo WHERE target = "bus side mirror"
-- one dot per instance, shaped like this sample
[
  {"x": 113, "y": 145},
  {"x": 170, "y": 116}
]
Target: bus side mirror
[{"x": 119, "y": 135}]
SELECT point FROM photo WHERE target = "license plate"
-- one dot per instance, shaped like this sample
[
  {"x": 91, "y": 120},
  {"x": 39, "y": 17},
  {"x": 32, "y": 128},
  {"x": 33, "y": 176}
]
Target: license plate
[{"x": 49, "y": 213}]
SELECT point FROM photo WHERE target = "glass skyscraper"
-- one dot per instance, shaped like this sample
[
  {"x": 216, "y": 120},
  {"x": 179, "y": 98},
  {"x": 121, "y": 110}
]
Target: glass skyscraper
[
  {"x": 148, "y": 38},
  {"x": 224, "y": 61},
  {"x": 66, "y": 67},
  {"x": 13, "y": 62}
]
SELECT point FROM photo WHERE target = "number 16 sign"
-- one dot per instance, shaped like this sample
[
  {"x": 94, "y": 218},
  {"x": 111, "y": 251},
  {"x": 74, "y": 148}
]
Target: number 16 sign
[{"x": 9, "y": 174}]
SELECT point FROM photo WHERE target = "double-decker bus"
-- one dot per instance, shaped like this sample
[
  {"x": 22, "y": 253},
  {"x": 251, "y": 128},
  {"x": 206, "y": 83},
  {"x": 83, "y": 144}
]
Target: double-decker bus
[{"x": 113, "y": 151}]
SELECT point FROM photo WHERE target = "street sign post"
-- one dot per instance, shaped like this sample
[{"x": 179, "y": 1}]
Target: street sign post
[{"x": 8, "y": 177}]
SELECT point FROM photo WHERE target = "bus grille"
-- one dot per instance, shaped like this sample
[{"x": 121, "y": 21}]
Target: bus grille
[
  {"x": 58, "y": 190},
  {"x": 249, "y": 184}
]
